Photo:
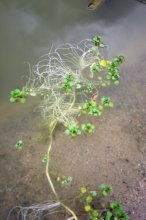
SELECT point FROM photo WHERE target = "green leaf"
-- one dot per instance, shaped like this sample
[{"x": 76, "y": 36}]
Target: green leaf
[
  {"x": 93, "y": 193},
  {"x": 83, "y": 126},
  {"x": 116, "y": 82},
  {"x": 45, "y": 158},
  {"x": 105, "y": 189},
  {"x": 104, "y": 193},
  {"x": 73, "y": 129},
  {"x": 126, "y": 217},
  {"x": 111, "y": 105},
  {"x": 95, "y": 213},
  {"x": 18, "y": 95},
  {"x": 94, "y": 49},
  {"x": 101, "y": 45},
  {"x": 22, "y": 100},
  {"x": 12, "y": 99},
  {"x": 66, "y": 180},
  {"x": 19, "y": 144},
  {"x": 67, "y": 131},
  {"x": 103, "y": 205},
  {"x": 100, "y": 107},
  {"x": 108, "y": 215},
  {"x": 78, "y": 86},
  {"x": 89, "y": 199},
  {"x": 79, "y": 132}
]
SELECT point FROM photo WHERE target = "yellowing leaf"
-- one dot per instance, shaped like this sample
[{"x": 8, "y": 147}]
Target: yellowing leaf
[
  {"x": 58, "y": 178},
  {"x": 83, "y": 190},
  {"x": 87, "y": 208},
  {"x": 88, "y": 199},
  {"x": 103, "y": 63}
]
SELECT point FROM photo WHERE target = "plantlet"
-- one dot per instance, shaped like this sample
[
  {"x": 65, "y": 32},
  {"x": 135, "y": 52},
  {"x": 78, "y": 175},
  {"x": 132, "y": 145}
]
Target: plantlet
[
  {"x": 89, "y": 88},
  {"x": 68, "y": 83},
  {"x": 97, "y": 41},
  {"x": 90, "y": 107},
  {"x": 105, "y": 189},
  {"x": 119, "y": 60},
  {"x": 106, "y": 102},
  {"x": 94, "y": 68},
  {"x": 45, "y": 158},
  {"x": 18, "y": 95},
  {"x": 19, "y": 144},
  {"x": 78, "y": 86},
  {"x": 65, "y": 181},
  {"x": 73, "y": 129},
  {"x": 113, "y": 69},
  {"x": 89, "y": 128}
]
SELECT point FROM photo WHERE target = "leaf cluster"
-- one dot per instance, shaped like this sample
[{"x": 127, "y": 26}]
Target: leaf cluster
[
  {"x": 106, "y": 102},
  {"x": 90, "y": 107},
  {"x": 113, "y": 69},
  {"x": 68, "y": 83},
  {"x": 89, "y": 128},
  {"x": 73, "y": 129},
  {"x": 97, "y": 41},
  {"x": 18, "y": 95},
  {"x": 109, "y": 211},
  {"x": 45, "y": 158},
  {"x": 19, "y": 144},
  {"x": 94, "y": 68},
  {"x": 65, "y": 180}
]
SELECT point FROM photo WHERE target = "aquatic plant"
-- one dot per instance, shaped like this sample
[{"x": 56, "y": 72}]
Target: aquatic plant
[
  {"x": 66, "y": 92},
  {"x": 89, "y": 128},
  {"x": 19, "y": 144},
  {"x": 18, "y": 95},
  {"x": 73, "y": 129}
]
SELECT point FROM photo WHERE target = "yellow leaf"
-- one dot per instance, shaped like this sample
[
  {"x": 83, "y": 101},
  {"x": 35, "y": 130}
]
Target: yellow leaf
[
  {"x": 87, "y": 208},
  {"x": 58, "y": 178},
  {"x": 83, "y": 190},
  {"x": 103, "y": 63}
]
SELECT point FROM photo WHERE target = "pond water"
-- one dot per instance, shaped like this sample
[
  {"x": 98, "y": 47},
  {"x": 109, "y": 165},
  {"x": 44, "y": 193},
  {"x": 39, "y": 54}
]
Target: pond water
[{"x": 116, "y": 153}]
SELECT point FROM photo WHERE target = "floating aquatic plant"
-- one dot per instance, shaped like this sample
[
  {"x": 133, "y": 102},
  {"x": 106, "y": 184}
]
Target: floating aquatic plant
[{"x": 66, "y": 92}]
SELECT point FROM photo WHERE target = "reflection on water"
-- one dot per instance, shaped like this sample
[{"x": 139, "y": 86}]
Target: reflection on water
[{"x": 28, "y": 29}]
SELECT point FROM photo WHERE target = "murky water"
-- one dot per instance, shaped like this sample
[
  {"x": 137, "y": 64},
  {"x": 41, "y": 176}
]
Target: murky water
[{"x": 28, "y": 29}]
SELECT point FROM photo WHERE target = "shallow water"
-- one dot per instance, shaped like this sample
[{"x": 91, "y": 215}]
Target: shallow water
[{"x": 28, "y": 29}]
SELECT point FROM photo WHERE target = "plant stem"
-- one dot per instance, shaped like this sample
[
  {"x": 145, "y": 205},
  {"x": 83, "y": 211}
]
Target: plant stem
[
  {"x": 52, "y": 127},
  {"x": 48, "y": 160}
]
